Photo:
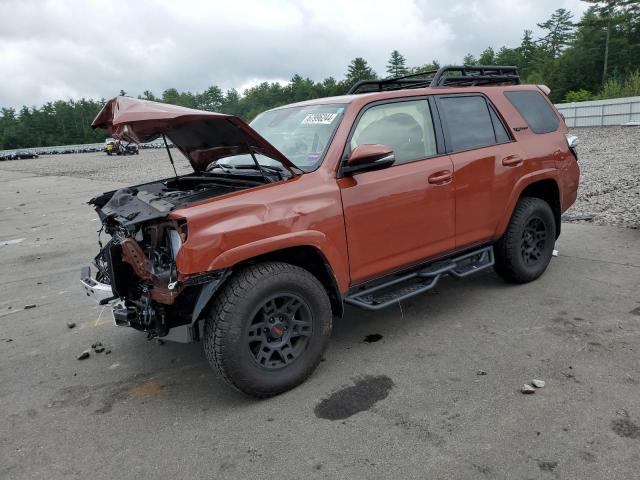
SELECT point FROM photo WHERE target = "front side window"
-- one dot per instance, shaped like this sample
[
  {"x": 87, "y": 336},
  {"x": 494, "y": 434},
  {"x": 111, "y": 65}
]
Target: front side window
[
  {"x": 535, "y": 110},
  {"x": 468, "y": 122},
  {"x": 406, "y": 127},
  {"x": 302, "y": 134}
]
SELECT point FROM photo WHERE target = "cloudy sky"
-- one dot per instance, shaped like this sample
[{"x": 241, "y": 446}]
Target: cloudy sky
[{"x": 81, "y": 48}]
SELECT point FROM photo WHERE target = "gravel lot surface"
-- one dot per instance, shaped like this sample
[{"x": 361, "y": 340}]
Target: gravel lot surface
[
  {"x": 428, "y": 390},
  {"x": 609, "y": 163},
  {"x": 610, "y": 176}
]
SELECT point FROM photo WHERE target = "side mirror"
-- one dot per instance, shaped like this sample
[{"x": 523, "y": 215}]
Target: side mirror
[{"x": 369, "y": 157}]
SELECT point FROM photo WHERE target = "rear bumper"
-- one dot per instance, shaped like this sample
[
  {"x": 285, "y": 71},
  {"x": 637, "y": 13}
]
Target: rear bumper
[{"x": 99, "y": 292}]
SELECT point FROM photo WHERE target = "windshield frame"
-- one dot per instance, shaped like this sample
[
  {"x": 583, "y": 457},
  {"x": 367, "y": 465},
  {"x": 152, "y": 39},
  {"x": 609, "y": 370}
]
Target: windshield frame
[{"x": 327, "y": 147}]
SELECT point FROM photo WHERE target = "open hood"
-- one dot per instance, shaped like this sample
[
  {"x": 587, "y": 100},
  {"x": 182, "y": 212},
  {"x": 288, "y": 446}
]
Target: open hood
[{"x": 203, "y": 137}]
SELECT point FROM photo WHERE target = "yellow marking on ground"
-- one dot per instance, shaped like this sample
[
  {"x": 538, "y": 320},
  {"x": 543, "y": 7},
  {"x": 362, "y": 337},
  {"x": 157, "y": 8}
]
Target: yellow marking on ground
[
  {"x": 96, "y": 323},
  {"x": 146, "y": 390}
]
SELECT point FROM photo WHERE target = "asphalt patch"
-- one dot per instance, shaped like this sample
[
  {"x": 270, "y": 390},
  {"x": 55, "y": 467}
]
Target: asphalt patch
[
  {"x": 625, "y": 428},
  {"x": 374, "y": 337},
  {"x": 361, "y": 396}
]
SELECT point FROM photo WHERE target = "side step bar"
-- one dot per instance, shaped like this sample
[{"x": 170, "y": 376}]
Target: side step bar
[{"x": 386, "y": 292}]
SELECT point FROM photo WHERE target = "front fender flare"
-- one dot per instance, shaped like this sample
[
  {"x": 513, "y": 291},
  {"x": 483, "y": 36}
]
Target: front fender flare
[{"x": 303, "y": 238}]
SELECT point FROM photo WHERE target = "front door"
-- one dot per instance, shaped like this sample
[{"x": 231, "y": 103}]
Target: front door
[{"x": 405, "y": 213}]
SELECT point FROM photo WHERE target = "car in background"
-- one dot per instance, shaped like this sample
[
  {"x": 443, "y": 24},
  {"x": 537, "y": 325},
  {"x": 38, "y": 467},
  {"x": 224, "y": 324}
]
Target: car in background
[
  {"x": 20, "y": 155},
  {"x": 117, "y": 147}
]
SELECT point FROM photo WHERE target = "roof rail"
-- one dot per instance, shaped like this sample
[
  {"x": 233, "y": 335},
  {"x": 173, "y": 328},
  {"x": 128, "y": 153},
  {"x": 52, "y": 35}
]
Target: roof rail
[{"x": 463, "y": 76}]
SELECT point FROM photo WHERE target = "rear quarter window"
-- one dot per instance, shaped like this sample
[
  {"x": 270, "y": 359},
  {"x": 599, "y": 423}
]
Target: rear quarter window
[{"x": 535, "y": 110}]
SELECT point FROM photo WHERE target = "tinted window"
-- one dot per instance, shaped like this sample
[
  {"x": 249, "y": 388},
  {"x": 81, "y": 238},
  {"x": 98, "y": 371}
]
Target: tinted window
[
  {"x": 406, "y": 127},
  {"x": 535, "y": 110},
  {"x": 468, "y": 122},
  {"x": 501, "y": 134}
]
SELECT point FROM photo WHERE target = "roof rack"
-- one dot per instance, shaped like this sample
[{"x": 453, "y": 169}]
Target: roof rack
[{"x": 451, "y": 75}]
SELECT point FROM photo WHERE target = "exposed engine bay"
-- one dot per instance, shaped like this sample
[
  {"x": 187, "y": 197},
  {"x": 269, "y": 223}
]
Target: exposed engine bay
[{"x": 138, "y": 261}]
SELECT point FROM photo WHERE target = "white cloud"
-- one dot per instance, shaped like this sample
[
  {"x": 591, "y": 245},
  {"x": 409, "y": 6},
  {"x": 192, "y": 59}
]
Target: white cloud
[{"x": 51, "y": 49}]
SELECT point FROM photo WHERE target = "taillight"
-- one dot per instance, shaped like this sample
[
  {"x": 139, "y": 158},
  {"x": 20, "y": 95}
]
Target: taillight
[{"x": 572, "y": 143}]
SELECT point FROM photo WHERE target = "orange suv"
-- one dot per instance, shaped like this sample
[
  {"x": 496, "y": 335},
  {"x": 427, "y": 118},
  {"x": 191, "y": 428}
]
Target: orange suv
[{"x": 365, "y": 199}]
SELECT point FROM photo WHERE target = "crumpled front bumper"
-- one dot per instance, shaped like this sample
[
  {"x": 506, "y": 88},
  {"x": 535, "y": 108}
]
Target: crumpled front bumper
[{"x": 101, "y": 293}]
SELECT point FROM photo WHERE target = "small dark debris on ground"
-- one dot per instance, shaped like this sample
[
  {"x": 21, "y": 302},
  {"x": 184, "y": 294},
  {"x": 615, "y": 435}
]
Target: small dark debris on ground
[
  {"x": 481, "y": 372},
  {"x": 31, "y": 305},
  {"x": 107, "y": 351},
  {"x": 84, "y": 355},
  {"x": 374, "y": 337},
  {"x": 547, "y": 466},
  {"x": 99, "y": 349},
  {"x": 71, "y": 325}
]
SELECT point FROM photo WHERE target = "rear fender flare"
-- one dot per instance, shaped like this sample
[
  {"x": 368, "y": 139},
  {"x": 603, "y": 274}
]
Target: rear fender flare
[{"x": 523, "y": 182}]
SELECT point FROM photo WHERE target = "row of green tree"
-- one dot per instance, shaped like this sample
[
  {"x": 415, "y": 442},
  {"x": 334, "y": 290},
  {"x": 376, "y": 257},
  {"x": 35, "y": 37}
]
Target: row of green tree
[{"x": 595, "y": 57}]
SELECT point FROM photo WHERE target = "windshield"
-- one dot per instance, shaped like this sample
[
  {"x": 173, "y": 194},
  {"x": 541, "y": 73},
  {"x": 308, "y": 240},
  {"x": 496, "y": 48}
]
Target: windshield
[{"x": 302, "y": 134}]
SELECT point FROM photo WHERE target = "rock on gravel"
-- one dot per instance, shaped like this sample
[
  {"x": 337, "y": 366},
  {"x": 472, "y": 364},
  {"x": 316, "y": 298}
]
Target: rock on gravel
[
  {"x": 527, "y": 389},
  {"x": 609, "y": 162},
  {"x": 84, "y": 355},
  {"x": 538, "y": 383}
]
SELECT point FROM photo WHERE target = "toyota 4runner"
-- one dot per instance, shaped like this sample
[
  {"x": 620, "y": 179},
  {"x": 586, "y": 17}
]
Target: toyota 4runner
[{"x": 364, "y": 199}]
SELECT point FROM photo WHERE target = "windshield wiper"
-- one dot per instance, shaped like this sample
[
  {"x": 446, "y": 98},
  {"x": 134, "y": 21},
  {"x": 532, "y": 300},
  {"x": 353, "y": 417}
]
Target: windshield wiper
[{"x": 248, "y": 166}]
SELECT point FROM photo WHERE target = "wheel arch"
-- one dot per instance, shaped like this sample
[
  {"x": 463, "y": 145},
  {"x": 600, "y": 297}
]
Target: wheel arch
[
  {"x": 548, "y": 191},
  {"x": 309, "y": 258},
  {"x": 540, "y": 186}
]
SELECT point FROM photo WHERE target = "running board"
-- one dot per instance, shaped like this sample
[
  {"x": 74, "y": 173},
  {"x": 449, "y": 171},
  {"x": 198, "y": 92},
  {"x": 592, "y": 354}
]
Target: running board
[{"x": 386, "y": 292}]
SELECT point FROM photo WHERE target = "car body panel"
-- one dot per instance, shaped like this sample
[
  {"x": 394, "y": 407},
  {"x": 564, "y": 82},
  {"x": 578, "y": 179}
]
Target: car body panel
[{"x": 304, "y": 210}]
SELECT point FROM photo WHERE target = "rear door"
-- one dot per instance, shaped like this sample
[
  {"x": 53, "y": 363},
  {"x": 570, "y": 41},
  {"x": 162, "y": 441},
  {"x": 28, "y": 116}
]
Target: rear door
[
  {"x": 486, "y": 163},
  {"x": 405, "y": 213}
]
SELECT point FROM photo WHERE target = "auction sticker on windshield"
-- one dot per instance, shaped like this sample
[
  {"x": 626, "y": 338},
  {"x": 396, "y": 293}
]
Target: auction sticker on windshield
[{"x": 319, "y": 118}]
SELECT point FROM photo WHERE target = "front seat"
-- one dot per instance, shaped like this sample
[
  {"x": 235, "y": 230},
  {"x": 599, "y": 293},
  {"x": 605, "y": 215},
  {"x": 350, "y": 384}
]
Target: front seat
[{"x": 399, "y": 131}]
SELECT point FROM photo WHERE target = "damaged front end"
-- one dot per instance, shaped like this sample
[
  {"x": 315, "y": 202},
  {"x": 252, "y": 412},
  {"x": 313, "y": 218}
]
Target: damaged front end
[{"x": 135, "y": 272}]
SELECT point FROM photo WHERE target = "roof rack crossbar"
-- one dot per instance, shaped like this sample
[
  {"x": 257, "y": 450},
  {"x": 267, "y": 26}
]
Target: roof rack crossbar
[{"x": 467, "y": 75}]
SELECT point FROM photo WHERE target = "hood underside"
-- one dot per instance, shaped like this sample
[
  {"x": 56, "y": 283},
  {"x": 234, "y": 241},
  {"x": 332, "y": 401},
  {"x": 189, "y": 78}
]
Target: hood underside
[{"x": 203, "y": 137}]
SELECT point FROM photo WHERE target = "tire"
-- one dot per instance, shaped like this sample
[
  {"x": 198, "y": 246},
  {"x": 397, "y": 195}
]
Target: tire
[
  {"x": 251, "y": 319},
  {"x": 521, "y": 254}
]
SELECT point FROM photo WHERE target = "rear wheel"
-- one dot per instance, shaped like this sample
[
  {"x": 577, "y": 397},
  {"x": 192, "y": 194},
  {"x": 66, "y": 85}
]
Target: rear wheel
[
  {"x": 267, "y": 329},
  {"x": 525, "y": 250}
]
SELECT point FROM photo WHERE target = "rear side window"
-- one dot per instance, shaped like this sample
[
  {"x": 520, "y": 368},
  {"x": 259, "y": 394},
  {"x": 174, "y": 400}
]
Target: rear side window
[
  {"x": 535, "y": 110},
  {"x": 468, "y": 121}
]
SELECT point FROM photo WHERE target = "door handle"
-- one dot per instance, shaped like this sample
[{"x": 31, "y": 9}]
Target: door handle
[
  {"x": 512, "y": 161},
  {"x": 440, "y": 178}
]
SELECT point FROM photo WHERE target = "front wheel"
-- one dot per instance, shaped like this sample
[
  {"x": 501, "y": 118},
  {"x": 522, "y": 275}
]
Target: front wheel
[
  {"x": 268, "y": 327},
  {"x": 525, "y": 250}
]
